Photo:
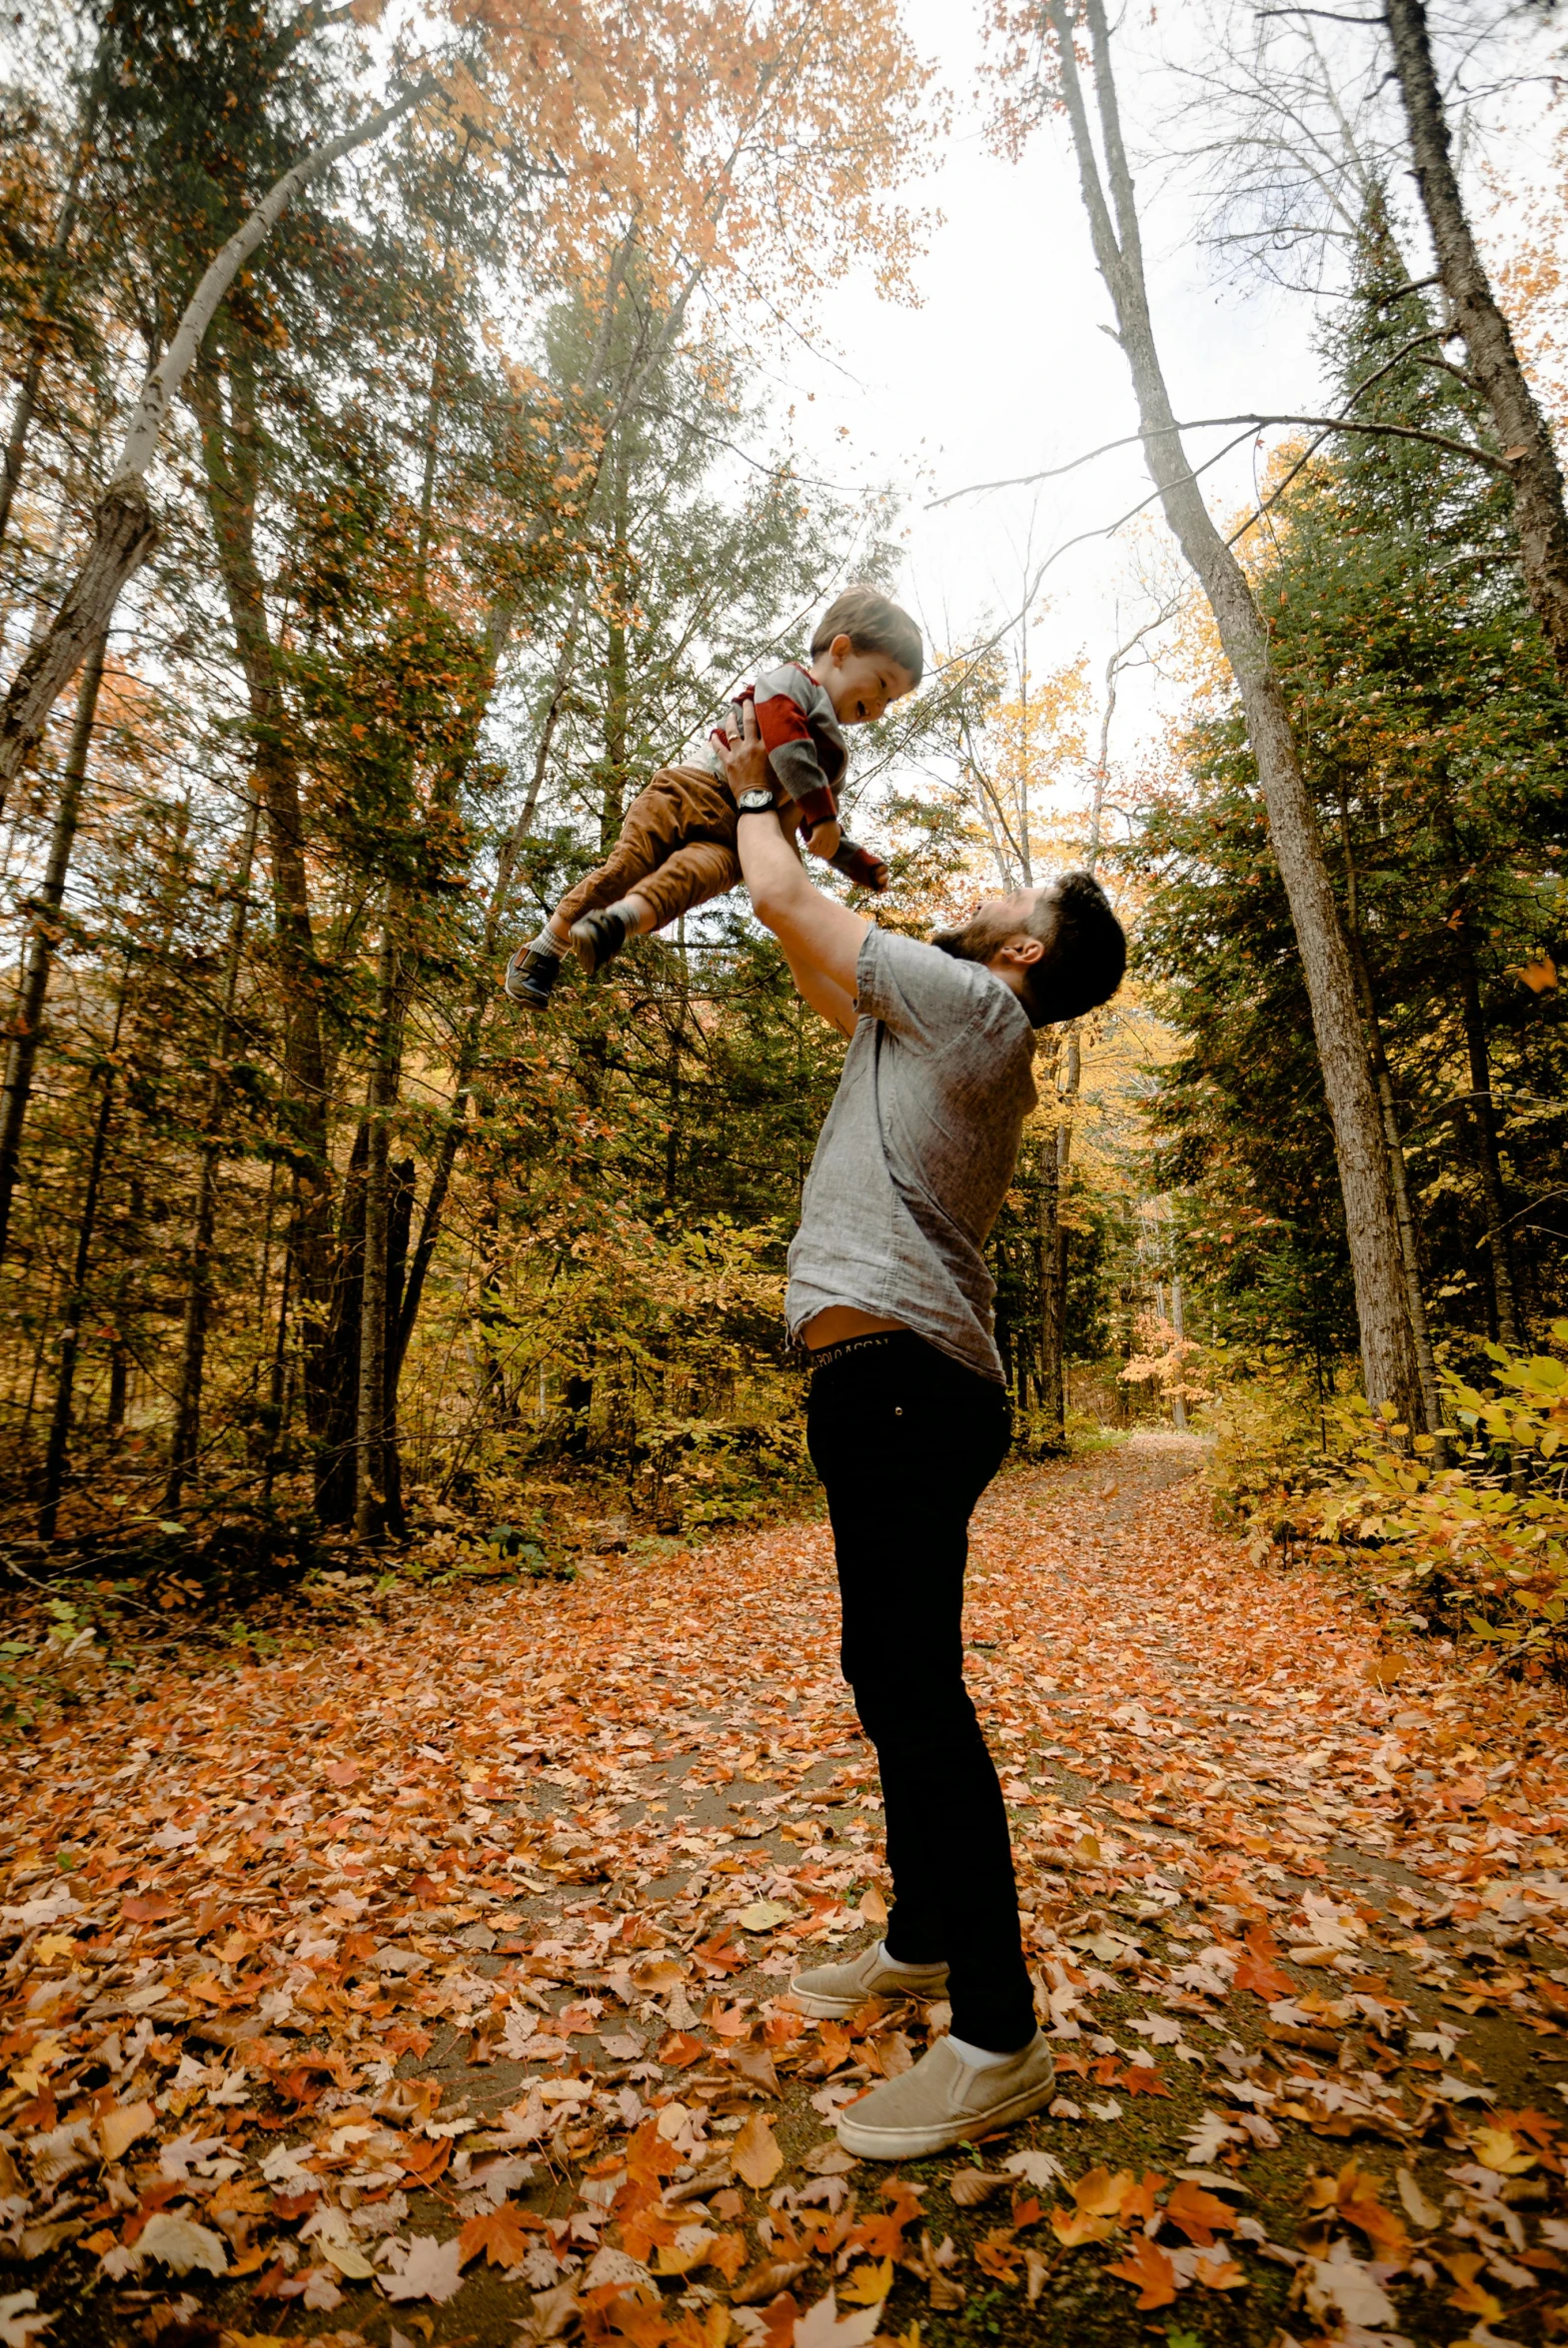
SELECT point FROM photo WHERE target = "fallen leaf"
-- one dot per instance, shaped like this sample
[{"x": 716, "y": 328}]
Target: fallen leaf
[
  {"x": 868, "y": 2286},
  {"x": 181, "y": 2245},
  {"x": 1500, "y": 2150},
  {"x": 969, "y": 2187},
  {"x": 501, "y": 2233},
  {"x": 20, "y": 2324},
  {"x": 756, "y": 2154},
  {"x": 1099, "y": 2194},
  {"x": 1149, "y": 2268},
  {"x": 768, "y": 2281},
  {"x": 1416, "y": 2206},
  {"x": 824, "y": 2327},
  {"x": 349, "y": 2259},
  {"x": 1199, "y": 2215},
  {"x": 764, "y": 1916},
  {"x": 689, "y": 2250},
  {"x": 121, "y": 2125},
  {"x": 429, "y": 2270}
]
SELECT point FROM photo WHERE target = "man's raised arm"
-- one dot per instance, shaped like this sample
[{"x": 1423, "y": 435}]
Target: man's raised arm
[{"x": 821, "y": 938}]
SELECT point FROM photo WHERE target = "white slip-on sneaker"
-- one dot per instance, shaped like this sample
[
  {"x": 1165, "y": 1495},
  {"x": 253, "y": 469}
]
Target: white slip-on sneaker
[
  {"x": 944, "y": 2102},
  {"x": 840, "y": 1989}
]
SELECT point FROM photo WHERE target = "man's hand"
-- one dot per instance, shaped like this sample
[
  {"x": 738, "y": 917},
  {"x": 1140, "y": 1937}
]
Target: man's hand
[
  {"x": 821, "y": 938},
  {"x": 746, "y": 758}
]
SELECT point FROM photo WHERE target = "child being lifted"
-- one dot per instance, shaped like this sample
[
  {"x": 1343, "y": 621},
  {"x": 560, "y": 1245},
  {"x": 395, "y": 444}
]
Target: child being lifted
[{"x": 678, "y": 841}]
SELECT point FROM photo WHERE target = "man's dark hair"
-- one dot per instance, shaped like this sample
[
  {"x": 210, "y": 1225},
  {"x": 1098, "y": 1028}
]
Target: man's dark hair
[
  {"x": 873, "y": 624},
  {"x": 1085, "y": 950}
]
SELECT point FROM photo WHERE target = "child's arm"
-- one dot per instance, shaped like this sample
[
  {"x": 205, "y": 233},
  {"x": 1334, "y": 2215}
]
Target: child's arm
[
  {"x": 821, "y": 938},
  {"x": 793, "y": 759}
]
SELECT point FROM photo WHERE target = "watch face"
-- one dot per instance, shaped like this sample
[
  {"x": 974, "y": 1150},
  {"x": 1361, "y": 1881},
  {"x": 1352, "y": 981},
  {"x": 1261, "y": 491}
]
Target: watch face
[{"x": 754, "y": 803}]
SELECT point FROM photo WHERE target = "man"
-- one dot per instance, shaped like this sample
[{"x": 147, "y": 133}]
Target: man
[{"x": 908, "y": 1418}]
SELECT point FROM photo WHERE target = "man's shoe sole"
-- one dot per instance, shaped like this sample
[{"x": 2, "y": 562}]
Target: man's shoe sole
[
  {"x": 824, "y": 2009},
  {"x": 917, "y": 2143}
]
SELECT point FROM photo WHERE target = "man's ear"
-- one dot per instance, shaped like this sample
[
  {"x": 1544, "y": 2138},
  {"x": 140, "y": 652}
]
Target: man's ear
[{"x": 1020, "y": 949}]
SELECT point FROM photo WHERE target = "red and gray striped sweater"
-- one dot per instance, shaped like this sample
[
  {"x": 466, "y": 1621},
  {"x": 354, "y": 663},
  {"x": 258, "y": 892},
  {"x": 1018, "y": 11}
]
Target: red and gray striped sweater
[{"x": 808, "y": 755}]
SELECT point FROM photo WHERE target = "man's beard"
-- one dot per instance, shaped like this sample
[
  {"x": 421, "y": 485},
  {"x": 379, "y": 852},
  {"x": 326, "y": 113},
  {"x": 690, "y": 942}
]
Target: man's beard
[{"x": 975, "y": 940}]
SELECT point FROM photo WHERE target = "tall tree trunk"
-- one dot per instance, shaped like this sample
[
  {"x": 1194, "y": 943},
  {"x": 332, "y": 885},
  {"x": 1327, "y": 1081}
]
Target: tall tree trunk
[
  {"x": 370, "y": 1476},
  {"x": 617, "y": 668},
  {"x": 1526, "y": 438},
  {"x": 230, "y": 486},
  {"x": 338, "y": 1363},
  {"x": 123, "y": 525},
  {"x": 1387, "y": 1349},
  {"x": 185, "y": 1447},
  {"x": 55, "y": 1456},
  {"x": 1382, "y": 1077},
  {"x": 1482, "y": 1104},
  {"x": 1047, "y": 1264},
  {"x": 22, "y": 1057},
  {"x": 278, "y": 1386},
  {"x": 1179, "y": 1400}
]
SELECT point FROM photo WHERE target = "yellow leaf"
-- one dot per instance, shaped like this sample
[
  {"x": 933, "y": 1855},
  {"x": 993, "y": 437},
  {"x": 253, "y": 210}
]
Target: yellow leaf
[
  {"x": 689, "y": 2249},
  {"x": 119, "y": 2127},
  {"x": 756, "y": 2156},
  {"x": 869, "y": 2286},
  {"x": 1099, "y": 2194},
  {"x": 1496, "y": 2149},
  {"x": 1072, "y": 2229}
]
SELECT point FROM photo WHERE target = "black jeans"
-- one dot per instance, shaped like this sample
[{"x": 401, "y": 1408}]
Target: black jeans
[{"x": 905, "y": 1440}]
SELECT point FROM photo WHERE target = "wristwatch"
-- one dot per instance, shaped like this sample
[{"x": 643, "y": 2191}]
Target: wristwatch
[{"x": 756, "y": 803}]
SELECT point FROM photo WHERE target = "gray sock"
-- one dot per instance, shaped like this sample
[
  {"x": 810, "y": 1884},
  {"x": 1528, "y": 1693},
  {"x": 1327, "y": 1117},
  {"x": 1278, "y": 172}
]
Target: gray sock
[
  {"x": 546, "y": 943},
  {"x": 983, "y": 2059},
  {"x": 901, "y": 1964}
]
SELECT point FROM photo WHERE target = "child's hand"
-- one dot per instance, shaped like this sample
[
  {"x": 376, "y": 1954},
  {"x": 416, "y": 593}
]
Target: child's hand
[{"x": 824, "y": 839}]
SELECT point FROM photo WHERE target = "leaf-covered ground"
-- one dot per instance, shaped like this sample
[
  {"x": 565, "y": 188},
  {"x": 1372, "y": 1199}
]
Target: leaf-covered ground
[{"x": 424, "y": 1980}]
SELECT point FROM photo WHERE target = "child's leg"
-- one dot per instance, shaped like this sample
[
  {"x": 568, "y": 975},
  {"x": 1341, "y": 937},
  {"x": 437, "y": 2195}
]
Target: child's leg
[
  {"x": 681, "y": 807},
  {"x": 702, "y": 870},
  {"x": 688, "y": 878}
]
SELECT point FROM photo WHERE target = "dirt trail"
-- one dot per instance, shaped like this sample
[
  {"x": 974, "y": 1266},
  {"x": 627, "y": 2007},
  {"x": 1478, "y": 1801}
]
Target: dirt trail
[{"x": 448, "y": 1952}]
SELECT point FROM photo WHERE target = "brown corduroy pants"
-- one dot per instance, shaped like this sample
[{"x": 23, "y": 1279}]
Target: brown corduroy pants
[{"x": 676, "y": 850}]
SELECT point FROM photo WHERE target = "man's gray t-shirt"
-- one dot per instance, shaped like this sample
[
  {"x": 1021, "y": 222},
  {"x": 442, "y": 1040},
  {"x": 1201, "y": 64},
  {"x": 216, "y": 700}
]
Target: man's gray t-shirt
[{"x": 918, "y": 1148}]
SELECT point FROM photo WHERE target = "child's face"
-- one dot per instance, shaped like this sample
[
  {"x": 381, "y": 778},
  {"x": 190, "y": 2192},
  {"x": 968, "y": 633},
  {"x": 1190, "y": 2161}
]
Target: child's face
[{"x": 861, "y": 685}]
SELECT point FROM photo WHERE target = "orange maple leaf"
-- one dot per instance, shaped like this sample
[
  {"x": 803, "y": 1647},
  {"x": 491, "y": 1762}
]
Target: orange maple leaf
[
  {"x": 501, "y": 2233},
  {"x": 1200, "y": 2214},
  {"x": 1150, "y": 2269}
]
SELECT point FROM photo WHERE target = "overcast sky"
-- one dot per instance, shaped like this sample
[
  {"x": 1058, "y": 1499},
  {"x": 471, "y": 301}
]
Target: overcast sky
[{"x": 1004, "y": 367}]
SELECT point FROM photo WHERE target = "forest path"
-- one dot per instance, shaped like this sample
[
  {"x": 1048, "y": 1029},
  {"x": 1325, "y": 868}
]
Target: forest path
[{"x": 437, "y": 1962}]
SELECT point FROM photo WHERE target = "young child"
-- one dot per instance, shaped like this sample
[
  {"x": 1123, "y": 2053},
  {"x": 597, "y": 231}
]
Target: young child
[{"x": 677, "y": 839}]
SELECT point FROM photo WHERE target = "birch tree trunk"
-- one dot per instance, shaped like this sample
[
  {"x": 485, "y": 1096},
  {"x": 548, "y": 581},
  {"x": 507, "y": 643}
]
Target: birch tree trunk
[
  {"x": 1387, "y": 1349},
  {"x": 1541, "y": 522},
  {"x": 124, "y": 527},
  {"x": 27, "y": 1019}
]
